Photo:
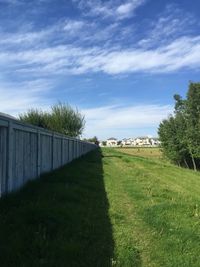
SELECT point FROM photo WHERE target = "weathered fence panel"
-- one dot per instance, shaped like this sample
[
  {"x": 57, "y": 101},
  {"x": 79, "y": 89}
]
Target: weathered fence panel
[{"x": 27, "y": 151}]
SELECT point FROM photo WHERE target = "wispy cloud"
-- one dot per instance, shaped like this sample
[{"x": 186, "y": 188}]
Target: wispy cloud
[
  {"x": 127, "y": 9},
  {"x": 72, "y": 26},
  {"x": 181, "y": 53},
  {"x": 168, "y": 26},
  {"x": 66, "y": 59},
  {"x": 109, "y": 9},
  {"x": 18, "y": 97},
  {"x": 24, "y": 39},
  {"x": 62, "y": 32},
  {"x": 120, "y": 121}
]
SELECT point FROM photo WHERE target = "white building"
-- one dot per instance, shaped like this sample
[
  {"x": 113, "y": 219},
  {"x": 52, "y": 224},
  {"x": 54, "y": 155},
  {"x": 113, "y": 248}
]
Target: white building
[
  {"x": 126, "y": 142},
  {"x": 155, "y": 142},
  {"x": 142, "y": 141},
  {"x": 111, "y": 142},
  {"x": 145, "y": 141}
]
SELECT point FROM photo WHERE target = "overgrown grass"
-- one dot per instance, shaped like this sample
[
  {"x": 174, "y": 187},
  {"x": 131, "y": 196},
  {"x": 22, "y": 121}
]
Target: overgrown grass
[{"x": 113, "y": 209}]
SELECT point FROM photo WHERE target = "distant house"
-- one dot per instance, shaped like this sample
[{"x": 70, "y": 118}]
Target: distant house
[
  {"x": 126, "y": 142},
  {"x": 111, "y": 142},
  {"x": 155, "y": 142},
  {"x": 145, "y": 141},
  {"x": 142, "y": 141}
]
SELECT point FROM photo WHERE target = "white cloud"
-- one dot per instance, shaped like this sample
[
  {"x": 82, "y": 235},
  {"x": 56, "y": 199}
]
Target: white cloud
[
  {"x": 122, "y": 121},
  {"x": 63, "y": 32},
  {"x": 16, "y": 97},
  {"x": 72, "y": 26},
  {"x": 124, "y": 9},
  {"x": 127, "y": 9},
  {"x": 109, "y": 9},
  {"x": 171, "y": 24},
  {"x": 23, "y": 38},
  {"x": 67, "y": 59}
]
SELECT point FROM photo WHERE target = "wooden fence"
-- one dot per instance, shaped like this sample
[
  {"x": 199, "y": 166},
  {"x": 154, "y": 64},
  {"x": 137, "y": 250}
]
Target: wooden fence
[{"x": 27, "y": 151}]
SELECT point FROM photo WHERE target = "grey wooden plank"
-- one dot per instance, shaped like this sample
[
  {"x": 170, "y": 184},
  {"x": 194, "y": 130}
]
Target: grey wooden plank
[
  {"x": 10, "y": 152},
  {"x": 3, "y": 160}
]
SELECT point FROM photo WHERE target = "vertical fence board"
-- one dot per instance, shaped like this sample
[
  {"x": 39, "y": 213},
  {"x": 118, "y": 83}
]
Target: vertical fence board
[
  {"x": 65, "y": 151},
  {"x": 3, "y": 159},
  {"x": 46, "y": 152},
  {"x": 34, "y": 156}
]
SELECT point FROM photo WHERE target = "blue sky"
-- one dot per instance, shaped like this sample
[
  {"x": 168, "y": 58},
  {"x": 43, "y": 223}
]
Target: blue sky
[{"x": 119, "y": 61}]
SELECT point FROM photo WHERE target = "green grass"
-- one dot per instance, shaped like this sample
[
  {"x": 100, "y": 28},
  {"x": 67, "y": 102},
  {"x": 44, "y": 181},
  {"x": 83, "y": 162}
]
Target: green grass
[
  {"x": 110, "y": 209},
  {"x": 147, "y": 152},
  {"x": 59, "y": 220},
  {"x": 154, "y": 211}
]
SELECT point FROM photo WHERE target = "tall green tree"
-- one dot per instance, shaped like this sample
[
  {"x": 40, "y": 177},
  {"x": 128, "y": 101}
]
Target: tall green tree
[
  {"x": 169, "y": 137},
  {"x": 180, "y": 133},
  {"x": 62, "y": 118},
  {"x": 193, "y": 122},
  {"x": 36, "y": 117},
  {"x": 66, "y": 120}
]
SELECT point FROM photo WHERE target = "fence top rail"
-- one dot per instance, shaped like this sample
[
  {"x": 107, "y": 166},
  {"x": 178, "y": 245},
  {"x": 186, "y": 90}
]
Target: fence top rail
[{"x": 6, "y": 120}]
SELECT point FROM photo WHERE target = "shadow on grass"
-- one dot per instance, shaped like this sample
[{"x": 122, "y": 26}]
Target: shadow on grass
[{"x": 59, "y": 220}]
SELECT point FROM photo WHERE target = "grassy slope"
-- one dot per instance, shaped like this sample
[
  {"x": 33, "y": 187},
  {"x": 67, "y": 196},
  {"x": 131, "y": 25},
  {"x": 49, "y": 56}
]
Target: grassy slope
[
  {"x": 117, "y": 209},
  {"x": 155, "y": 211}
]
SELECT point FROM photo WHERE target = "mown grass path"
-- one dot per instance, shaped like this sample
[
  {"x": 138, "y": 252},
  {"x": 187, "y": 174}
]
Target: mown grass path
[
  {"x": 154, "y": 210},
  {"x": 106, "y": 209}
]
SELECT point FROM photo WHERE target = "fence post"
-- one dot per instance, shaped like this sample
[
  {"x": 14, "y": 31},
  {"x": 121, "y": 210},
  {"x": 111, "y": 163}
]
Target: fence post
[
  {"x": 38, "y": 154},
  {"x": 9, "y": 180}
]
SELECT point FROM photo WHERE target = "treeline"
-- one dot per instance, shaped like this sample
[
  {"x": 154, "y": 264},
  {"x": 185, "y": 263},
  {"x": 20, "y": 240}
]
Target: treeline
[
  {"x": 180, "y": 133},
  {"x": 61, "y": 118}
]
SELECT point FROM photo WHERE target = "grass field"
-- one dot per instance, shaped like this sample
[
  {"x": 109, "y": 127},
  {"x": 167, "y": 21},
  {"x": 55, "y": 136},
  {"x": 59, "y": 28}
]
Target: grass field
[
  {"x": 106, "y": 209},
  {"x": 147, "y": 152}
]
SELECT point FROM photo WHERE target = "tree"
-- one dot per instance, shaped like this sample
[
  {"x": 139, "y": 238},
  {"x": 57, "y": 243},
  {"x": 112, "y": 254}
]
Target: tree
[
  {"x": 180, "y": 133},
  {"x": 62, "y": 118},
  {"x": 35, "y": 117},
  {"x": 93, "y": 140},
  {"x": 193, "y": 122},
  {"x": 104, "y": 143},
  {"x": 171, "y": 145},
  {"x": 181, "y": 129}
]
